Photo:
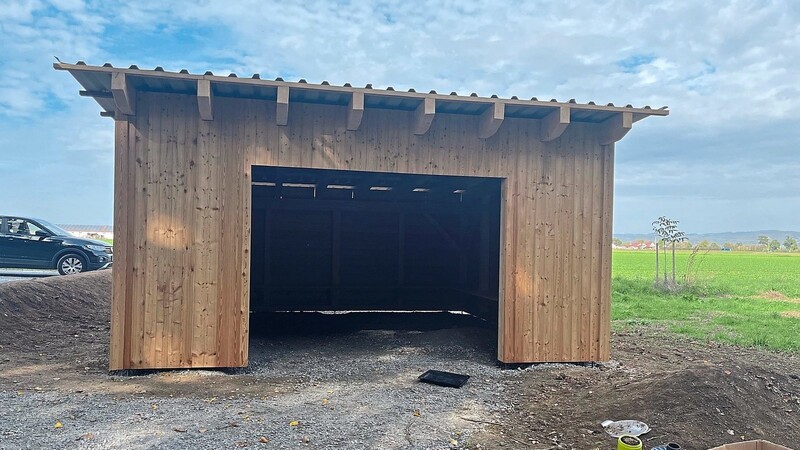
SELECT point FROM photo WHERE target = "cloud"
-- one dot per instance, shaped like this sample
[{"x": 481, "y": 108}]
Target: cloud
[{"x": 726, "y": 69}]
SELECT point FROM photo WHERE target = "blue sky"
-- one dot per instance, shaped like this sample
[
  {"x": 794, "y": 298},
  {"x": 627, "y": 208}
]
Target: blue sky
[{"x": 727, "y": 158}]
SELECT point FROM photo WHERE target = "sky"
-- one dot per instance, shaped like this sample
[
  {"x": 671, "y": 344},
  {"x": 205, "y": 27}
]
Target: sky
[{"x": 727, "y": 158}]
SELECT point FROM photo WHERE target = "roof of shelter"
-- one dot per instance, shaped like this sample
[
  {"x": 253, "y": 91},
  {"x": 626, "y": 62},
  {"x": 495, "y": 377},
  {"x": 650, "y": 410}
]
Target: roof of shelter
[{"x": 97, "y": 83}]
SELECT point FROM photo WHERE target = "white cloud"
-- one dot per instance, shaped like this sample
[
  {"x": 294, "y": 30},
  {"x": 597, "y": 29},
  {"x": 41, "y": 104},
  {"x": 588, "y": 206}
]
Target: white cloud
[{"x": 726, "y": 69}]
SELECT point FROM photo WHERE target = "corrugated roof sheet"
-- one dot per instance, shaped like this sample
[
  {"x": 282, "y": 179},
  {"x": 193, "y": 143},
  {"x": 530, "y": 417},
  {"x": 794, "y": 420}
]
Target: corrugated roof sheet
[{"x": 96, "y": 80}]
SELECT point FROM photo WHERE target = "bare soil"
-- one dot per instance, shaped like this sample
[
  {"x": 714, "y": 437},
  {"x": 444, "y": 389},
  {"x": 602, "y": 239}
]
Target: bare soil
[{"x": 356, "y": 389}]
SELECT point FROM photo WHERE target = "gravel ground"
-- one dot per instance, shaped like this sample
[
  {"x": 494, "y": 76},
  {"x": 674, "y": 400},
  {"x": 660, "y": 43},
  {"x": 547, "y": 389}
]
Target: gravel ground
[
  {"x": 319, "y": 383},
  {"x": 346, "y": 391}
]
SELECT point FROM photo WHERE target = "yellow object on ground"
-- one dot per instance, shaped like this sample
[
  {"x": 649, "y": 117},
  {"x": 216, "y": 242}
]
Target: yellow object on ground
[{"x": 629, "y": 443}]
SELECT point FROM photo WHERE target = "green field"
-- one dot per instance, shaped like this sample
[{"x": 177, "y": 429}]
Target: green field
[{"x": 748, "y": 299}]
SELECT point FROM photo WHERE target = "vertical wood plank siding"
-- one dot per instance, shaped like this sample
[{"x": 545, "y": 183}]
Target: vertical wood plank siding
[{"x": 183, "y": 207}]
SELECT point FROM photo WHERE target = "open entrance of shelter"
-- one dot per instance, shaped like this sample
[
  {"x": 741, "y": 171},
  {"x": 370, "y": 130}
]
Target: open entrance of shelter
[{"x": 334, "y": 241}]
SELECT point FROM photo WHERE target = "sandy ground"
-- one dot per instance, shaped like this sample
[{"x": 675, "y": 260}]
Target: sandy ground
[{"x": 344, "y": 388}]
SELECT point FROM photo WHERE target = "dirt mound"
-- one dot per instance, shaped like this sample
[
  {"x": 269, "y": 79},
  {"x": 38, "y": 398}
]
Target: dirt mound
[
  {"x": 700, "y": 406},
  {"x": 40, "y": 311},
  {"x": 697, "y": 394}
]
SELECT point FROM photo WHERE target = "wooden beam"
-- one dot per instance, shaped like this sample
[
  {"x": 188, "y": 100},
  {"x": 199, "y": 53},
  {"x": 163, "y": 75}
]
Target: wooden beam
[
  {"x": 423, "y": 116},
  {"x": 355, "y": 111},
  {"x": 554, "y": 124},
  {"x": 491, "y": 119},
  {"x": 616, "y": 128},
  {"x": 124, "y": 94},
  {"x": 282, "y": 112},
  {"x": 205, "y": 99}
]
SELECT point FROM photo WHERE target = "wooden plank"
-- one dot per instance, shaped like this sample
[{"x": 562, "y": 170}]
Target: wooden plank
[
  {"x": 243, "y": 296},
  {"x": 606, "y": 254},
  {"x": 596, "y": 242},
  {"x": 549, "y": 287},
  {"x": 119, "y": 311},
  {"x": 576, "y": 249},
  {"x": 205, "y": 100},
  {"x": 506, "y": 291},
  {"x": 586, "y": 251},
  {"x": 137, "y": 236},
  {"x": 226, "y": 226},
  {"x": 123, "y": 93},
  {"x": 151, "y": 216},
  {"x": 191, "y": 168},
  {"x": 206, "y": 247},
  {"x": 564, "y": 239}
]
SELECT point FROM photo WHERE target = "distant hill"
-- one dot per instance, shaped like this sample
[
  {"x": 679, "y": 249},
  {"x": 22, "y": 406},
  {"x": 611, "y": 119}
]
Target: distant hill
[{"x": 745, "y": 237}]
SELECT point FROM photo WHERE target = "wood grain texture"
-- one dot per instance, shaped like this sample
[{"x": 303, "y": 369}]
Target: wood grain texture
[{"x": 184, "y": 209}]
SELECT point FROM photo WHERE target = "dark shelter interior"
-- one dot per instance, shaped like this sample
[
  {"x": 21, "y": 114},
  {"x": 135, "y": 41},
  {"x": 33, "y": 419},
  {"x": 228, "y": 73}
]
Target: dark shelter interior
[{"x": 333, "y": 240}]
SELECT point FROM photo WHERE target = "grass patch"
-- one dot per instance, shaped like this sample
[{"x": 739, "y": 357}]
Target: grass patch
[{"x": 723, "y": 306}]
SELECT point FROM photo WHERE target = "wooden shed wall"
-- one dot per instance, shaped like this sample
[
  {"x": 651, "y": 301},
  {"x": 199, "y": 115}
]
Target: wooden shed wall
[{"x": 182, "y": 221}]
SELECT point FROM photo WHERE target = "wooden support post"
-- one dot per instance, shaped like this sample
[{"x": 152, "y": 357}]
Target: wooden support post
[
  {"x": 616, "y": 128},
  {"x": 119, "y": 350},
  {"x": 491, "y": 119},
  {"x": 124, "y": 94},
  {"x": 355, "y": 111},
  {"x": 205, "y": 100},
  {"x": 282, "y": 112},
  {"x": 422, "y": 117},
  {"x": 554, "y": 124}
]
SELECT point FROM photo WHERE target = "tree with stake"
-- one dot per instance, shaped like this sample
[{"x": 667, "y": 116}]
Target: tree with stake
[{"x": 667, "y": 232}]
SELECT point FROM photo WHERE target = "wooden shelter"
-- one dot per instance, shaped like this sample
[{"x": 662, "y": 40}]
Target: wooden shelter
[{"x": 235, "y": 195}]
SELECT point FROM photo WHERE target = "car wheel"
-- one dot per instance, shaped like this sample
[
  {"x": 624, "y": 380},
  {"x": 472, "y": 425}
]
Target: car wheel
[{"x": 71, "y": 264}]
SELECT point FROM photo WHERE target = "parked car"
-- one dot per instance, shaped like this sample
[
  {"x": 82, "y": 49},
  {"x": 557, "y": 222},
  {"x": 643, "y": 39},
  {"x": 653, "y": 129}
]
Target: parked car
[{"x": 27, "y": 243}]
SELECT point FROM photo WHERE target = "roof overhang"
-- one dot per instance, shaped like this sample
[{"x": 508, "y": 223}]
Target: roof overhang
[{"x": 114, "y": 89}]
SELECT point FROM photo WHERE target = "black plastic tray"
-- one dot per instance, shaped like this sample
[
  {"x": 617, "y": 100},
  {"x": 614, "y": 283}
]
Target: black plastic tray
[{"x": 446, "y": 379}]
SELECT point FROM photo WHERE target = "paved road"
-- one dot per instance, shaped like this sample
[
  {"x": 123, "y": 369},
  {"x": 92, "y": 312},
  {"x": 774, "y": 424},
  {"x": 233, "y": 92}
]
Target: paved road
[{"x": 24, "y": 274}]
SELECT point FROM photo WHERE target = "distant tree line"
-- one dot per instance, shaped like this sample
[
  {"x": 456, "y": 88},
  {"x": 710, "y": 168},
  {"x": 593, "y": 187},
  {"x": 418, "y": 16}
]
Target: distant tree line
[{"x": 765, "y": 244}]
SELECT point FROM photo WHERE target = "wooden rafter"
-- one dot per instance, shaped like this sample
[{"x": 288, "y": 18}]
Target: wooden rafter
[
  {"x": 282, "y": 111},
  {"x": 205, "y": 100},
  {"x": 616, "y": 128},
  {"x": 491, "y": 119},
  {"x": 124, "y": 94},
  {"x": 423, "y": 116},
  {"x": 355, "y": 111},
  {"x": 554, "y": 124}
]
